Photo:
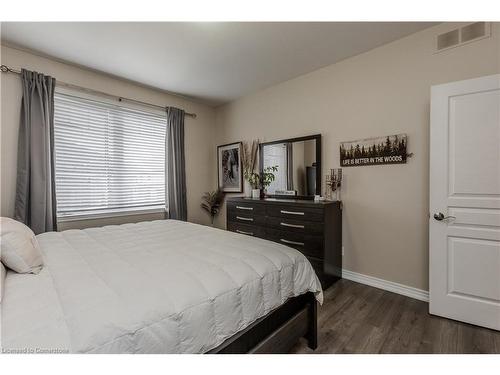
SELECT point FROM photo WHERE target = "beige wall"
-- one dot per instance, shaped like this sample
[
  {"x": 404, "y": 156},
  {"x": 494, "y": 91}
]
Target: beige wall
[
  {"x": 200, "y": 158},
  {"x": 381, "y": 92}
]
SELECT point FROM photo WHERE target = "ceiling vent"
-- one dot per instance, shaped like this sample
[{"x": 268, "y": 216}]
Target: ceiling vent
[
  {"x": 463, "y": 35},
  {"x": 473, "y": 31},
  {"x": 447, "y": 40}
]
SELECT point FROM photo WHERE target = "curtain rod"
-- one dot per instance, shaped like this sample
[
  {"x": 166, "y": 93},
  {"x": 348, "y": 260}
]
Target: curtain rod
[{"x": 6, "y": 69}]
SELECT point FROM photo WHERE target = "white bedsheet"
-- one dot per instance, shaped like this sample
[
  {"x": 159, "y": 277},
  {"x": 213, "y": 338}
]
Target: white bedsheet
[{"x": 155, "y": 287}]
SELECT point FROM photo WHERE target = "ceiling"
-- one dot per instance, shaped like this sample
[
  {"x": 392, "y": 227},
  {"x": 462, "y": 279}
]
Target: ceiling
[{"x": 211, "y": 62}]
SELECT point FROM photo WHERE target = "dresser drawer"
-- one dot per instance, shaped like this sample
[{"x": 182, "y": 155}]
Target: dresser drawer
[
  {"x": 247, "y": 207},
  {"x": 299, "y": 213},
  {"x": 246, "y": 218},
  {"x": 249, "y": 230},
  {"x": 295, "y": 225},
  {"x": 307, "y": 244}
]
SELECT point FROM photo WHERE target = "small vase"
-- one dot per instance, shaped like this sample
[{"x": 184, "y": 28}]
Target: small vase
[
  {"x": 248, "y": 189},
  {"x": 255, "y": 193},
  {"x": 263, "y": 193}
]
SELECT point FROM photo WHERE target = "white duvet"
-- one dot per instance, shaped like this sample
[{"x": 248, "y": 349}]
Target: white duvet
[{"x": 154, "y": 287}]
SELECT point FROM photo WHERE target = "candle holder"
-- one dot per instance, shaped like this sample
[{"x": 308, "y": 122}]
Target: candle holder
[{"x": 333, "y": 184}]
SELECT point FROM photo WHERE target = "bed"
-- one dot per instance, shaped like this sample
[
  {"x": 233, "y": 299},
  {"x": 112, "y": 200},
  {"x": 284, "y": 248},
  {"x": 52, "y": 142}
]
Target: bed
[{"x": 160, "y": 287}]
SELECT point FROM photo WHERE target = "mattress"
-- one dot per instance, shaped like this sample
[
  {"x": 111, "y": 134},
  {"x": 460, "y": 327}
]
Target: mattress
[{"x": 154, "y": 287}]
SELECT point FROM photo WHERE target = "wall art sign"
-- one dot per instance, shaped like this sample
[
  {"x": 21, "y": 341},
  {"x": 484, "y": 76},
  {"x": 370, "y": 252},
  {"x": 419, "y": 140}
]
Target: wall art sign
[
  {"x": 374, "y": 151},
  {"x": 229, "y": 169}
]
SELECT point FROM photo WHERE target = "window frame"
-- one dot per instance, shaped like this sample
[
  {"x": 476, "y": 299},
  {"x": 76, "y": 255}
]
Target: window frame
[{"x": 113, "y": 212}]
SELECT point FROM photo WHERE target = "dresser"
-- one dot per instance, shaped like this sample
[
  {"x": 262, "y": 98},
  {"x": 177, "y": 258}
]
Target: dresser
[{"x": 313, "y": 228}]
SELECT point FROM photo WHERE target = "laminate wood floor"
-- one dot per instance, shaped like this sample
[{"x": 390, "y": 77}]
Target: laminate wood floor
[{"x": 357, "y": 318}]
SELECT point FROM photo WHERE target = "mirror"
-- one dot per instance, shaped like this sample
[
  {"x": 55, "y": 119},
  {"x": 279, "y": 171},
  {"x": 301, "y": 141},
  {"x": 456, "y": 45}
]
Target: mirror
[{"x": 298, "y": 166}]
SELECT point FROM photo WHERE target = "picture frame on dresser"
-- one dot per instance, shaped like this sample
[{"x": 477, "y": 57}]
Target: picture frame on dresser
[{"x": 229, "y": 167}]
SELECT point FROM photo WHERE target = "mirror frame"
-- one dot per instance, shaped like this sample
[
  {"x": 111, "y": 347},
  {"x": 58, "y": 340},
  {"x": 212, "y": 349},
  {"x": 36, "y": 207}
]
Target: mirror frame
[{"x": 317, "y": 138}]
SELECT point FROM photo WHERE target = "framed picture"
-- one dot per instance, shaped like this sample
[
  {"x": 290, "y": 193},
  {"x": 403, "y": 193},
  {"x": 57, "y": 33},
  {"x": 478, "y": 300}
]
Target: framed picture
[
  {"x": 390, "y": 149},
  {"x": 229, "y": 167}
]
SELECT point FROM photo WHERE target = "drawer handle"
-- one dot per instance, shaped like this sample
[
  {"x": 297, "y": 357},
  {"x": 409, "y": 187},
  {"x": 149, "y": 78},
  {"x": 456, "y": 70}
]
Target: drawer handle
[
  {"x": 243, "y": 232},
  {"x": 292, "y": 225},
  {"x": 292, "y": 242},
  {"x": 292, "y": 212},
  {"x": 244, "y": 218},
  {"x": 244, "y": 208}
]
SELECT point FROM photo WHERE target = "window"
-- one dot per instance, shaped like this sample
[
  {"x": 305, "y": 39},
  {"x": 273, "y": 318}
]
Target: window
[
  {"x": 277, "y": 155},
  {"x": 109, "y": 160}
]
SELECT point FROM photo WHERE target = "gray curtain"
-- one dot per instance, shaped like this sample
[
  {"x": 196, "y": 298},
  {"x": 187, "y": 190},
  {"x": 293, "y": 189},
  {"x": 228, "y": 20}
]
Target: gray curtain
[
  {"x": 35, "y": 191},
  {"x": 175, "y": 165}
]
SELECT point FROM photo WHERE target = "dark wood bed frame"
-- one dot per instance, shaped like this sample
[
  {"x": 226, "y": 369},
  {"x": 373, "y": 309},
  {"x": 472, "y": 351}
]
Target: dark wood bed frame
[{"x": 278, "y": 331}]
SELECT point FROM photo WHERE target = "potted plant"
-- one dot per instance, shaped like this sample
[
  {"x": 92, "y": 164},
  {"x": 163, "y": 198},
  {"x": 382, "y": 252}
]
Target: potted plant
[
  {"x": 267, "y": 177},
  {"x": 212, "y": 202},
  {"x": 248, "y": 160},
  {"x": 260, "y": 182},
  {"x": 254, "y": 180}
]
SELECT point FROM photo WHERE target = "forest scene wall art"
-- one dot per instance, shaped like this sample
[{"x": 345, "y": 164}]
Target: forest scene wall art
[{"x": 390, "y": 149}]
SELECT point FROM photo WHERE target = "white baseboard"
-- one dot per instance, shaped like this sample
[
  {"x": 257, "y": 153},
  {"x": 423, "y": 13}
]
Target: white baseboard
[{"x": 390, "y": 286}]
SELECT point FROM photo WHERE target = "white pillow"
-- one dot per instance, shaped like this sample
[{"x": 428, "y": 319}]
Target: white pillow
[
  {"x": 3, "y": 273},
  {"x": 19, "y": 247},
  {"x": 10, "y": 225}
]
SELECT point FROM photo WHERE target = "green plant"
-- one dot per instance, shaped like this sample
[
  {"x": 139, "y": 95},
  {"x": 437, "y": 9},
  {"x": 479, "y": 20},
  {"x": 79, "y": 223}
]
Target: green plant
[
  {"x": 212, "y": 202},
  {"x": 268, "y": 176},
  {"x": 263, "y": 180}
]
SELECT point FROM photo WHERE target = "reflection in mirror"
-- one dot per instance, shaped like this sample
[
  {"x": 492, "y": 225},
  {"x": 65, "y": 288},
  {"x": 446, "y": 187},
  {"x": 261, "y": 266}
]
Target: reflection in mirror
[{"x": 296, "y": 162}]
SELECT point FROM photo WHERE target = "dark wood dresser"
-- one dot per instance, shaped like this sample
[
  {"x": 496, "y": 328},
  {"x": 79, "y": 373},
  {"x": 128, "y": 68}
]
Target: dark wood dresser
[{"x": 313, "y": 228}]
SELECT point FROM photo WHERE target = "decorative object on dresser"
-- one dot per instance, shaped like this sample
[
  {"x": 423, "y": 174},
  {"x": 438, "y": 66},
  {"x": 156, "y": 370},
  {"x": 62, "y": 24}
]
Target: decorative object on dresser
[
  {"x": 297, "y": 163},
  {"x": 254, "y": 180},
  {"x": 212, "y": 202},
  {"x": 313, "y": 228},
  {"x": 266, "y": 178},
  {"x": 229, "y": 168},
  {"x": 333, "y": 184},
  {"x": 261, "y": 181},
  {"x": 249, "y": 162}
]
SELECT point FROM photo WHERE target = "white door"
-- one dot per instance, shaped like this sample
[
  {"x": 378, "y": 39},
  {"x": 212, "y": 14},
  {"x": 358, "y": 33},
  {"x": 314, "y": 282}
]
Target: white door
[{"x": 464, "y": 227}]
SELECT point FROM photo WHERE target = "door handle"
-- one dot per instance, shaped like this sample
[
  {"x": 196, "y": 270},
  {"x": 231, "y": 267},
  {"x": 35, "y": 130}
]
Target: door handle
[{"x": 440, "y": 217}]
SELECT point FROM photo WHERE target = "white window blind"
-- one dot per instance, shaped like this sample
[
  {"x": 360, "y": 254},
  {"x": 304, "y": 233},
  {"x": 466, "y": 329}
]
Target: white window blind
[{"x": 108, "y": 159}]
